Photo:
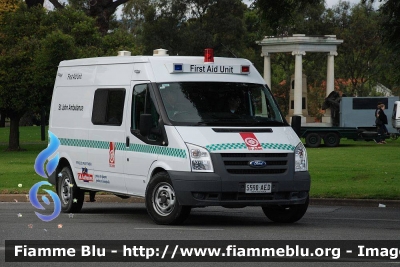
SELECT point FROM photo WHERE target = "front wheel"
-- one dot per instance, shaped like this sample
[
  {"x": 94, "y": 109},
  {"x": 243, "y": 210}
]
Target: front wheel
[
  {"x": 70, "y": 194},
  {"x": 161, "y": 202},
  {"x": 286, "y": 213}
]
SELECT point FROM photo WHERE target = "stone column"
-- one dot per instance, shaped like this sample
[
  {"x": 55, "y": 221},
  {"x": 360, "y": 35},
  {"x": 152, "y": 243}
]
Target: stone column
[
  {"x": 267, "y": 68},
  {"x": 330, "y": 83},
  {"x": 298, "y": 82},
  {"x": 267, "y": 79},
  {"x": 330, "y": 74}
]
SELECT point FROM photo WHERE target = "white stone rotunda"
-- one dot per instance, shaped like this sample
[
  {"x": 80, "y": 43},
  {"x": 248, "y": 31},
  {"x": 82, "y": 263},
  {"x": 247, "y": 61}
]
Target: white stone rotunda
[{"x": 299, "y": 44}]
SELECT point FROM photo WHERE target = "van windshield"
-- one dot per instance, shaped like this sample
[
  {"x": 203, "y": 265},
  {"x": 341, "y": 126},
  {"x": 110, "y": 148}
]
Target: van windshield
[{"x": 220, "y": 104}]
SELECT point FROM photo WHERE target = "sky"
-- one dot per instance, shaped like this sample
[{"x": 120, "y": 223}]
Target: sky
[{"x": 331, "y": 3}]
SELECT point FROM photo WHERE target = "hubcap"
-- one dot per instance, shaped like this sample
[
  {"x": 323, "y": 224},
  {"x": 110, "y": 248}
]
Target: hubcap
[
  {"x": 164, "y": 199},
  {"x": 66, "y": 190}
]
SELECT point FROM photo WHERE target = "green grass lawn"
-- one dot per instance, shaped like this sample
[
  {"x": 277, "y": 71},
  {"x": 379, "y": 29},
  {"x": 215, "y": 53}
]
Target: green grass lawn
[
  {"x": 355, "y": 169},
  {"x": 16, "y": 168}
]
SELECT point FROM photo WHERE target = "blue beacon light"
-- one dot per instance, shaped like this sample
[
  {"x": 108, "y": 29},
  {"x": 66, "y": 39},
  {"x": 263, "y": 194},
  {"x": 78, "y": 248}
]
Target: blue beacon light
[{"x": 178, "y": 67}]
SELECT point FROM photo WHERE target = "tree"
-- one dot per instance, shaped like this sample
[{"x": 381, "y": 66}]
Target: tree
[
  {"x": 390, "y": 10},
  {"x": 102, "y": 10},
  {"x": 34, "y": 42},
  {"x": 281, "y": 13},
  {"x": 6, "y": 6},
  {"x": 17, "y": 47},
  {"x": 362, "y": 53},
  {"x": 220, "y": 26},
  {"x": 390, "y": 26},
  {"x": 187, "y": 27},
  {"x": 32, "y": 3}
]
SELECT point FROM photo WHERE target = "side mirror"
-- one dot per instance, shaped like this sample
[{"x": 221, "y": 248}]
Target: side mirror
[
  {"x": 146, "y": 122},
  {"x": 296, "y": 125}
]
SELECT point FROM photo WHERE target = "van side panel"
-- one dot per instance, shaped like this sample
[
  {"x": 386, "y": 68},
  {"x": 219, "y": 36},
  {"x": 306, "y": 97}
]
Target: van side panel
[
  {"x": 118, "y": 74},
  {"x": 106, "y": 151},
  {"x": 70, "y": 117}
]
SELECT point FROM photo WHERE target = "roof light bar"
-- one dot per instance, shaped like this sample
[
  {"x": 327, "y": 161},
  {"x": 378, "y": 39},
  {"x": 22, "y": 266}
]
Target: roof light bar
[
  {"x": 178, "y": 67},
  {"x": 245, "y": 69},
  {"x": 208, "y": 55}
]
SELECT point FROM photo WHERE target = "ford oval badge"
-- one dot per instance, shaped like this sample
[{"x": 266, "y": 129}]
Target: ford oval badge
[{"x": 257, "y": 163}]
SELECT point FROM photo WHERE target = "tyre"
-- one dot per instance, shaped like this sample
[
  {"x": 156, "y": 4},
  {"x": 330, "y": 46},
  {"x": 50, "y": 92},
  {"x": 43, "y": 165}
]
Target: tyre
[
  {"x": 331, "y": 140},
  {"x": 161, "y": 202},
  {"x": 70, "y": 194},
  {"x": 286, "y": 213},
  {"x": 313, "y": 140}
]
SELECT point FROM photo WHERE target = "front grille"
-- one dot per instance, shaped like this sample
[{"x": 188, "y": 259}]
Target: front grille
[
  {"x": 269, "y": 163},
  {"x": 238, "y": 163},
  {"x": 256, "y": 171}
]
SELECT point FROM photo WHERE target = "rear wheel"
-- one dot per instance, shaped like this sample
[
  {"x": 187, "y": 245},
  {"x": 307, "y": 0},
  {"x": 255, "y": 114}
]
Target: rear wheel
[
  {"x": 331, "y": 140},
  {"x": 286, "y": 213},
  {"x": 313, "y": 140},
  {"x": 161, "y": 202},
  {"x": 70, "y": 194}
]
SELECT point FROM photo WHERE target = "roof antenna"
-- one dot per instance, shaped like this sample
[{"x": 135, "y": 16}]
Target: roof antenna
[{"x": 228, "y": 50}]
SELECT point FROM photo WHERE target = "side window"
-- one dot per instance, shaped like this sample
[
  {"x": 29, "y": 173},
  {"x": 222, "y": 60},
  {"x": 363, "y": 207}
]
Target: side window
[
  {"x": 108, "y": 107},
  {"x": 142, "y": 103}
]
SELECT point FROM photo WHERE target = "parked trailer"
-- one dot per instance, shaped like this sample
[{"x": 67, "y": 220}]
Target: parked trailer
[
  {"x": 354, "y": 113},
  {"x": 331, "y": 135}
]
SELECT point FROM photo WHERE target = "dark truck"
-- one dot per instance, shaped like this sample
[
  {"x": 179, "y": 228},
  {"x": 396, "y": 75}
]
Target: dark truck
[{"x": 352, "y": 118}]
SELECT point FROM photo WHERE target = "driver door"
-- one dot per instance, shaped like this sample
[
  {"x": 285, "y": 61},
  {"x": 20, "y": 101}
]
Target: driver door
[{"x": 141, "y": 151}]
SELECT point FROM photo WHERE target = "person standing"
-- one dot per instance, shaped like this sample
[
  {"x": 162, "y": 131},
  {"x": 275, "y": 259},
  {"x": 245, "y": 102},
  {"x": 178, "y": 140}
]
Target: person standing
[
  {"x": 381, "y": 121},
  {"x": 384, "y": 119}
]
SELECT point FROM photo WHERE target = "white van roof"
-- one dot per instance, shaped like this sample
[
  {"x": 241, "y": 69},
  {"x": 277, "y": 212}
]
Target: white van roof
[
  {"x": 156, "y": 69},
  {"x": 141, "y": 59},
  {"x": 103, "y": 61}
]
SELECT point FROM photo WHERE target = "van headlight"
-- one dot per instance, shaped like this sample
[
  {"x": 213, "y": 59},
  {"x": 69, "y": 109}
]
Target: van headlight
[
  {"x": 200, "y": 160},
  {"x": 300, "y": 158}
]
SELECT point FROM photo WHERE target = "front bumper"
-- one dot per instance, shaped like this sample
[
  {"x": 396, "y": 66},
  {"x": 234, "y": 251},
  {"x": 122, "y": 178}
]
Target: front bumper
[{"x": 212, "y": 189}]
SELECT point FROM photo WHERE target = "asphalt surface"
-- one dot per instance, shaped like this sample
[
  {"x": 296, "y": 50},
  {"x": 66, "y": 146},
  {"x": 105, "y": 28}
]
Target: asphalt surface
[
  {"x": 313, "y": 201},
  {"x": 129, "y": 222}
]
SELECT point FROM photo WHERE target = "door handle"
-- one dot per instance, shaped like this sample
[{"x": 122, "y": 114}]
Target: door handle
[{"x": 127, "y": 141}]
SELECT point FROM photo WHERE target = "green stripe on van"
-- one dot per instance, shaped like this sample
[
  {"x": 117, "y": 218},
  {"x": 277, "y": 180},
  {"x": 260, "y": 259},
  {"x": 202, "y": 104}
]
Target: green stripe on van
[
  {"x": 278, "y": 146},
  {"x": 233, "y": 146},
  {"x": 159, "y": 150},
  {"x": 226, "y": 146}
]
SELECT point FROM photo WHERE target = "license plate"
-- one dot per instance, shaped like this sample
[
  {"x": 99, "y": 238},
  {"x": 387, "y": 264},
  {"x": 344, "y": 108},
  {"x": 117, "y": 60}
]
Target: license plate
[{"x": 258, "y": 187}]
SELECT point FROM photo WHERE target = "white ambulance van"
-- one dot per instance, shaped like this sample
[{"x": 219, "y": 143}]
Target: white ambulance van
[{"x": 181, "y": 132}]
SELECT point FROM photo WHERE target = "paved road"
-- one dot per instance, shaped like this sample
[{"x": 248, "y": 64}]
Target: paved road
[{"x": 129, "y": 221}]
